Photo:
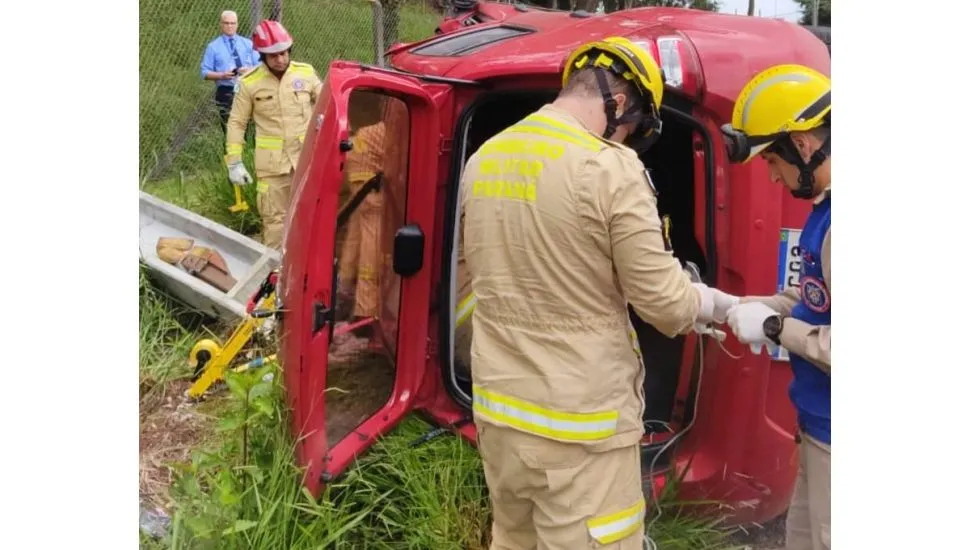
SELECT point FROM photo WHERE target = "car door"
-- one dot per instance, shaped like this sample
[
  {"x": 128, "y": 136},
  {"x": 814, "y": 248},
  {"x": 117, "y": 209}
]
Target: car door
[{"x": 355, "y": 282}]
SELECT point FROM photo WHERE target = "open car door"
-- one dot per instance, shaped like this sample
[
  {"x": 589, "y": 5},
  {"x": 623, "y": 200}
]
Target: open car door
[{"x": 355, "y": 285}]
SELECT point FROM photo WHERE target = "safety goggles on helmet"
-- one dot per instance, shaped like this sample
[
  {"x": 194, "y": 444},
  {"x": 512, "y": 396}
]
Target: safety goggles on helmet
[
  {"x": 776, "y": 102},
  {"x": 630, "y": 62}
]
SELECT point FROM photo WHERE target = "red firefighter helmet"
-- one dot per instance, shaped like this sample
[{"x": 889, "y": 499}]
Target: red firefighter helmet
[{"x": 271, "y": 37}]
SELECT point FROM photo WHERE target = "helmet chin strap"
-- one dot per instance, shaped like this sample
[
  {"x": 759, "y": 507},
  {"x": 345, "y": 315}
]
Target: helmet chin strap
[
  {"x": 806, "y": 170},
  {"x": 632, "y": 114}
]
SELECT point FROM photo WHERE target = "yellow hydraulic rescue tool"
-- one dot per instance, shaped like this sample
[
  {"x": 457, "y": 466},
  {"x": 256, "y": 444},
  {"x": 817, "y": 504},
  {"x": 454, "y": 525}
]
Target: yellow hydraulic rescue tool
[
  {"x": 240, "y": 205},
  {"x": 210, "y": 360}
]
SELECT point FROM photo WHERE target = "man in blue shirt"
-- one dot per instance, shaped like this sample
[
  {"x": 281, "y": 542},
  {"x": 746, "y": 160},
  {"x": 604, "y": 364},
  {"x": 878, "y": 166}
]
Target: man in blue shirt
[
  {"x": 225, "y": 59},
  {"x": 784, "y": 114}
]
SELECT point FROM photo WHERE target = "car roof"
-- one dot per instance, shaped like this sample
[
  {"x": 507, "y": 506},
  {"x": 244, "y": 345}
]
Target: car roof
[{"x": 731, "y": 48}]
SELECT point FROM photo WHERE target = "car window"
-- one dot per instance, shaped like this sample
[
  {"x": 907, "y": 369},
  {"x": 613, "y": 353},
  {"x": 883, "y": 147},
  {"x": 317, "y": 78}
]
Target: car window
[{"x": 466, "y": 43}]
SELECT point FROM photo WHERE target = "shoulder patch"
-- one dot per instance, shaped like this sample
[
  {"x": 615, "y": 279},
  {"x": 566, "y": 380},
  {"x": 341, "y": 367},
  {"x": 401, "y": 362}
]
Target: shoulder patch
[{"x": 815, "y": 294}]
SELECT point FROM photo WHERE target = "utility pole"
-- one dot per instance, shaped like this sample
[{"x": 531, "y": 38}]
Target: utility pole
[
  {"x": 815, "y": 13},
  {"x": 750, "y": 8}
]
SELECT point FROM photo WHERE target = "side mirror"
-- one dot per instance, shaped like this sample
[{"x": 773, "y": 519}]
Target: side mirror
[{"x": 408, "y": 250}]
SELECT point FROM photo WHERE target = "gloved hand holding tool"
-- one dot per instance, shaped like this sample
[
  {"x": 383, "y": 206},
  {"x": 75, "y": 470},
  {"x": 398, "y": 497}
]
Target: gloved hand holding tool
[
  {"x": 238, "y": 175},
  {"x": 714, "y": 305},
  {"x": 747, "y": 321}
]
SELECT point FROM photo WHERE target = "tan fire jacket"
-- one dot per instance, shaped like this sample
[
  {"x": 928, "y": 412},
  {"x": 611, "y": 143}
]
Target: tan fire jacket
[
  {"x": 365, "y": 160},
  {"x": 561, "y": 230},
  {"x": 280, "y": 108},
  {"x": 813, "y": 343}
]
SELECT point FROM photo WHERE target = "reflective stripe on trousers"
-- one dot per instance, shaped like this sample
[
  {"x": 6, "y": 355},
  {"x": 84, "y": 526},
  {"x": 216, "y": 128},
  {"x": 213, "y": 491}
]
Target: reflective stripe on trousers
[
  {"x": 541, "y": 421},
  {"x": 611, "y": 528}
]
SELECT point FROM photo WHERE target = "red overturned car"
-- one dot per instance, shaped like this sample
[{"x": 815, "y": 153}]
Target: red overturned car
[{"x": 351, "y": 375}]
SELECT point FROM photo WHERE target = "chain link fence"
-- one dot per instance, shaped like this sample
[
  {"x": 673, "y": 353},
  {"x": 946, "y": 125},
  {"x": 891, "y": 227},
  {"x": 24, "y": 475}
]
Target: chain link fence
[{"x": 179, "y": 127}]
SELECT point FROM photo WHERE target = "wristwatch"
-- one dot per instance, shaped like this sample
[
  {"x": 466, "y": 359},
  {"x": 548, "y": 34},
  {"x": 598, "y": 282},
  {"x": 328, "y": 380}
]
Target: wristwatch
[{"x": 772, "y": 328}]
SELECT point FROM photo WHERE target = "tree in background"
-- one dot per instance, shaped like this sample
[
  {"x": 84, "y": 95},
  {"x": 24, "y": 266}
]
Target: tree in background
[
  {"x": 824, "y": 12},
  {"x": 610, "y": 6}
]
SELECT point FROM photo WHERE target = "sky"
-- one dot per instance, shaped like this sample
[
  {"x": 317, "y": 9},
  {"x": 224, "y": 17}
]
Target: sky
[{"x": 786, "y": 9}]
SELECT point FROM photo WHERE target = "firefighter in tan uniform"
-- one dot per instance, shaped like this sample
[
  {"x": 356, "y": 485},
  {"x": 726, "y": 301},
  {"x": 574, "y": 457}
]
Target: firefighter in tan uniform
[
  {"x": 360, "y": 262},
  {"x": 561, "y": 231},
  {"x": 784, "y": 114},
  {"x": 366, "y": 279},
  {"x": 279, "y": 96}
]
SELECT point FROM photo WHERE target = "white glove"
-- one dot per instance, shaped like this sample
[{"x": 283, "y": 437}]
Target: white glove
[
  {"x": 747, "y": 322},
  {"x": 758, "y": 346},
  {"x": 715, "y": 304},
  {"x": 238, "y": 174}
]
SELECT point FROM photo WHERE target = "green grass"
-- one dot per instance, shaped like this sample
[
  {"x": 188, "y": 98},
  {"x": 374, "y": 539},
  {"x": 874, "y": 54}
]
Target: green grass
[
  {"x": 164, "y": 340},
  {"x": 241, "y": 488},
  {"x": 175, "y": 111},
  {"x": 209, "y": 194}
]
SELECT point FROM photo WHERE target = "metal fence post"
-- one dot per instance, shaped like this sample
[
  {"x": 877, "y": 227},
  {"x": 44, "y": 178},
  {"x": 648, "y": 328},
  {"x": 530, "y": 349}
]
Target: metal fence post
[
  {"x": 256, "y": 13},
  {"x": 378, "y": 32}
]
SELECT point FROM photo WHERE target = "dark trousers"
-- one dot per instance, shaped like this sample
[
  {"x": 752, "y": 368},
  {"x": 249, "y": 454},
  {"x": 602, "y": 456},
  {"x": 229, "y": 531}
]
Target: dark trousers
[{"x": 224, "y": 95}]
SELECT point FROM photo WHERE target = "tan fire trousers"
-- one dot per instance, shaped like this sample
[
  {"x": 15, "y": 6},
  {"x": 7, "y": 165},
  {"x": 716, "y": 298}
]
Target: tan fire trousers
[
  {"x": 548, "y": 495},
  {"x": 273, "y": 200},
  {"x": 809, "y": 517},
  {"x": 361, "y": 257}
]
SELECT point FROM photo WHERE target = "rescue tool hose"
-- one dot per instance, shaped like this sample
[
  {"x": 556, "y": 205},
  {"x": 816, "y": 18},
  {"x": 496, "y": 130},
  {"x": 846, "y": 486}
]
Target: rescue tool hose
[{"x": 648, "y": 542}]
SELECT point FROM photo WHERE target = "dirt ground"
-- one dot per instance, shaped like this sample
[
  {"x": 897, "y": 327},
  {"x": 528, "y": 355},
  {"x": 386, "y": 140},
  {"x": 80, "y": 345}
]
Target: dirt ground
[
  {"x": 170, "y": 428},
  {"x": 359, "y": 381},
  {"x": 770, "y": 536}
]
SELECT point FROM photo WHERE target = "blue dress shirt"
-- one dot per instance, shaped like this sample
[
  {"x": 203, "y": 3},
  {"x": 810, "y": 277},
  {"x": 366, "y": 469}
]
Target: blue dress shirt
[{"x": 218, "y": 56}]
